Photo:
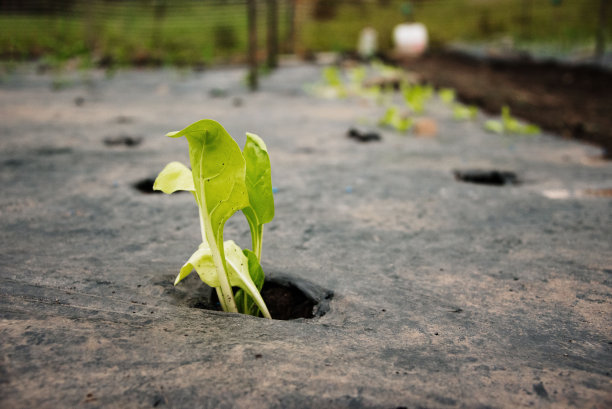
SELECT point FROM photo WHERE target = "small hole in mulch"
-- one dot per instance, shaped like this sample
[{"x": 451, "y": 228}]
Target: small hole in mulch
[
  {"x": 285, "y": 299},
  {"x": 487, "y": 177},
  {"x": 146, "y": 186},
  {"x": 123, "y": 140},
  {"x": 287, "y": 303},
  {"x": 362, "y": 135}
]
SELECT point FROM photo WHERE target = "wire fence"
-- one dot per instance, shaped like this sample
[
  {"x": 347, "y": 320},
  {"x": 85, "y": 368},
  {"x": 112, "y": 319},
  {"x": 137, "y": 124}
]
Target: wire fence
[{"x": 217, "y": 31}]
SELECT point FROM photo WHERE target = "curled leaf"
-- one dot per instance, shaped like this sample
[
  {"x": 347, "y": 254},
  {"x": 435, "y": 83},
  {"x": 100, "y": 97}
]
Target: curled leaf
[
  {"x": 202, "y": 262},
  {"x": 175, "y": 176},
  {"x": 238, "y": 269}
]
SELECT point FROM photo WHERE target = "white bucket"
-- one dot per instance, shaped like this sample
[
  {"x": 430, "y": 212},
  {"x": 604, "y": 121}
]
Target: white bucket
[{"x": 410, "y": 39}]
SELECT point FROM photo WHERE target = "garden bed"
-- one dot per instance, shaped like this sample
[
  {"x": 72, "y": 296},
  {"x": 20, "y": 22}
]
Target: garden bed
[
  {"x": 446, "y": 294},
  {"x": 571, "y": 100}
]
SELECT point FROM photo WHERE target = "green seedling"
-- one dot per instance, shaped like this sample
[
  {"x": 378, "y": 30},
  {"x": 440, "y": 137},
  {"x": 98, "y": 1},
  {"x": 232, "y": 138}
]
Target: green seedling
[
  {"x": 494, "y": 126},
  {"x": 464, "y": 112},
  {"x": 333, "y": 79},
  {"x": 447, "y": 95},
  {"x": 416, "y": 96},
  {"x": 224, "y": 180},
  {"x": 332, "y": 76},
  {"x": 510, "y": 125},
  {"x": 393, "y": 119},
  {"x": 357, "y": 76}
]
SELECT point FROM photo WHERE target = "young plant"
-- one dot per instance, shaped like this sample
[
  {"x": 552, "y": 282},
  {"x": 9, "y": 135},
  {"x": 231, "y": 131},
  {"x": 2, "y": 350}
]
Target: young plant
[
  {"x": 224, "y": 180},
  {"x": 510, "y": 125},
  {"x": 447, "y": 95},
  {"x": 464, "y": 112},
  {"x": 416, "y": 96},
  {"x": 394, "y": 119}
]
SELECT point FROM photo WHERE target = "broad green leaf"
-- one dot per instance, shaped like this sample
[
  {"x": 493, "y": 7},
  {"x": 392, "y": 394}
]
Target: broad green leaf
[
  {"x": 259, "y": 178},
  {"x": 175, "y": 176},
  {"x": 218, "y": 172},
  {"x": 259, "y": 188}
]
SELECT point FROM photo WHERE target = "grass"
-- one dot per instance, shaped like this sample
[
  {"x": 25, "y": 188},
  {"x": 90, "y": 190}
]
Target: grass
[
  {"x": 191, "y": 33},
  {"x": 572, "y": 23}
]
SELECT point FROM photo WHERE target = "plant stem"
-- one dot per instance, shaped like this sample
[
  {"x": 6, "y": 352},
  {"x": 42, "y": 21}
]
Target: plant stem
[
  {"x": 218, "y": 255},
  {"x": 256, "y": 237},
  {"x": 260, "y": 242},
  {"x": 224, "y": 292}
]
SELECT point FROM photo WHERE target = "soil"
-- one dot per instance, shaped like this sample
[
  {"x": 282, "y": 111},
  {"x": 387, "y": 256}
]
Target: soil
[
  {"x": 287, "y": 303},
  {"x": 571, "y": 100}
]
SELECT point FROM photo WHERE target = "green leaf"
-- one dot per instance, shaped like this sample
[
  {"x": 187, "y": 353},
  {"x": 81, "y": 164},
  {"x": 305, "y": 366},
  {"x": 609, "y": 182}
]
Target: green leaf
[
  {"x": 175, "y": 176},
  {"x": 259, "y": 178},
  {"x": 463, "y": 112},
  {"x": 246, "y": 303},
  {"x": 202, "y": 262},
  {"x": 243, "y": 270},
  {"x": 259, "y": 188},
  {"x": 447, "y": 95},
  {"x": 531, "y": 129},
  {"x": 403, "y": 124},
  {"x": 218, "y": 170},
  {"x": 239, "y": 266},
  {"x": 389, "y": 116},
  {"x": 332, "y": 76},
  {"x": 494, "y": 126}
]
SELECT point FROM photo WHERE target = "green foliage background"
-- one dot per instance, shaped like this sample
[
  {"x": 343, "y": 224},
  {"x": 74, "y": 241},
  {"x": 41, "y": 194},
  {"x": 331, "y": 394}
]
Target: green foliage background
[{"x": 189, "y": 32}]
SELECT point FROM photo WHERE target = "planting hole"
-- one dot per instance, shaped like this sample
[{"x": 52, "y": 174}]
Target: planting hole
[
  {"x": 146, "y": 186},
  {"x": 362, "y": 135},
  {"x": 287, "y": 302},
  {"x": 487, "y": 177},
  {"x": 287, "y": 298},
  {"x": 123, "y": 140}
]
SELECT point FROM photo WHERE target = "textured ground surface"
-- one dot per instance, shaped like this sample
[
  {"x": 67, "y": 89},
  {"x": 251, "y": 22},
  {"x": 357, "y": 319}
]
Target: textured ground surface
[{"x": 447, "y": 294}]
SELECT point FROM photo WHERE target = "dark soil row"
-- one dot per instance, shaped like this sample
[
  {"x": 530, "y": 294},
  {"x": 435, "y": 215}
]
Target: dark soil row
[{"x": 574, "y": 101}]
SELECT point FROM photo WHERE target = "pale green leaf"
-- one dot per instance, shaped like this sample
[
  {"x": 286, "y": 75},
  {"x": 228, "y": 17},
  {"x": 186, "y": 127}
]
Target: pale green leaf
[
  {"x": 175, "y": 176},
  {"x": 259, "y": 178},
  {"x": 494, "y": 126},
  {"x": 259, "y": 188},
  {"x": 245, "y": 302},
  {"x": 202, "y": 262},
  {"x": 238, "y": 269},
  {"x": 239, "y": 275},
  {"x": 218, "y": 169}
]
